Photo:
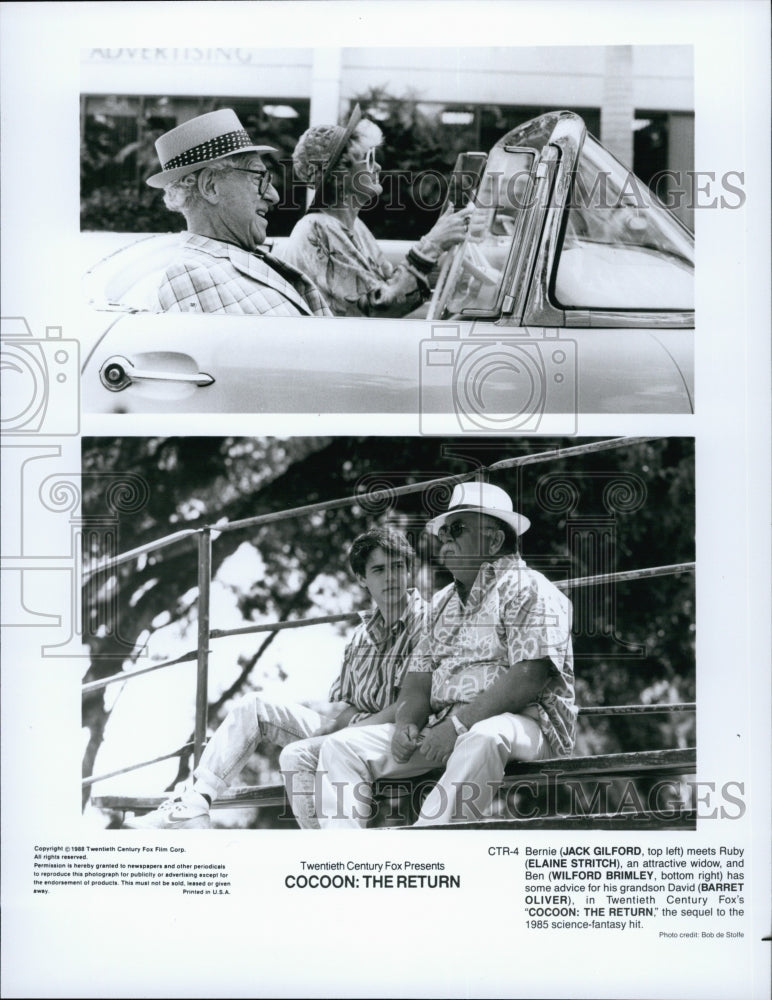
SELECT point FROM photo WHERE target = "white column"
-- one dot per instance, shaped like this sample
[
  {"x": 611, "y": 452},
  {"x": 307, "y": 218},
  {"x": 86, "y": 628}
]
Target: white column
[
  {"x": 617, "y": 111},
  {"x": 325, "y": 87},
  {"x": 325, "y": 91}
]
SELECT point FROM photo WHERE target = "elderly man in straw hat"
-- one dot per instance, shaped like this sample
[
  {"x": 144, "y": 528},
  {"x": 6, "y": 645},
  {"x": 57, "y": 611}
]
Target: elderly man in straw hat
[
  {"x": 215, "y": 176},
  {"x": 491, "y": 680}
]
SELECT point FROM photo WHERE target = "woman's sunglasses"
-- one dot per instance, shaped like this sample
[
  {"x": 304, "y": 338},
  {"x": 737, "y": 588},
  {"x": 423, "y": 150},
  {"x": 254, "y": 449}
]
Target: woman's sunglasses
[{"x": 369, "y": 160}]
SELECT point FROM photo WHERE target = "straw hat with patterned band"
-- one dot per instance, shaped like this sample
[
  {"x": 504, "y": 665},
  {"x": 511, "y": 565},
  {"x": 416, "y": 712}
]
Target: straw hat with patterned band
[
  {"x": 481, "y": 498},
  {"x": 195, "y": 143},
  {"x": 341, "y": 140}
]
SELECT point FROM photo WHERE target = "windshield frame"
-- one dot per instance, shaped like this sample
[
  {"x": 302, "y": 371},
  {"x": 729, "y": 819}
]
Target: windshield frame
[
  {"x": 641, "y": 198},
  {"x": 502, "y": 164}
]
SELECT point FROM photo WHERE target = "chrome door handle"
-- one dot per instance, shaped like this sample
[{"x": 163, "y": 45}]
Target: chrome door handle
[{"x": 117, "y": 373}]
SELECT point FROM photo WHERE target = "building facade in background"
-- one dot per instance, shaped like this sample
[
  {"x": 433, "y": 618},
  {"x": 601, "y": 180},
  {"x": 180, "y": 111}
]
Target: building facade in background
[{"x": 430, "y": 102}]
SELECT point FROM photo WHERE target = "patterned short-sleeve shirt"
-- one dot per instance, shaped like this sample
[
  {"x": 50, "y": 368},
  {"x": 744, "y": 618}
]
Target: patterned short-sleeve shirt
[
  {"x": 512, "y": 613},
  {"x": 376, "y": 658}
]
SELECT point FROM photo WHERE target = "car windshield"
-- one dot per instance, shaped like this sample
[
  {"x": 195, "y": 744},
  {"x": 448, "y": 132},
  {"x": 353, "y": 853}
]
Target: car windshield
[
  {"x": 472, "y": 280},
  {"x": 622, "y": 249}
]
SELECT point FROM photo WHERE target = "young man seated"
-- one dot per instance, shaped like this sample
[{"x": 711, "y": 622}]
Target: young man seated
[{"x": 364, "y": 693}]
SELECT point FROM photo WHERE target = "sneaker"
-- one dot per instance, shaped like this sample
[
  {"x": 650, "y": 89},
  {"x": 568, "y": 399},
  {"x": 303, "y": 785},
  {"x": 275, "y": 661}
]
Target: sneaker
[{"x": 185, "y": 812}]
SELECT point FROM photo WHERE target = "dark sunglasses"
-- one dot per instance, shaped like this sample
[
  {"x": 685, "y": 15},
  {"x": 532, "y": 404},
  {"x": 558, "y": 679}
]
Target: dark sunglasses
[{"x": 455, "y": 529}]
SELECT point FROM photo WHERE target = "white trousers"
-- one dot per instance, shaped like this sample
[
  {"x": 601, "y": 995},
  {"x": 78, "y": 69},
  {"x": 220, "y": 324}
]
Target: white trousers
[
  {"x": 352, "y": 759},
  {"x": 254, "y": 720}
]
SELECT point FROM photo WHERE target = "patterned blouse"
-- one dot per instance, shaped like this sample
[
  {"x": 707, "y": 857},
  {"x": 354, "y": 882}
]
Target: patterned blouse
[
  {"x": 376, "y": 658},
  {"x": 512, "y": 614},
  {"x": 350, "y": 270}
]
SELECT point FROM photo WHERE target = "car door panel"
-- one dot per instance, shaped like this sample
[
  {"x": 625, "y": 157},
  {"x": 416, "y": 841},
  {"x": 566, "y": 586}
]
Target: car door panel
[{"x": 384, "y": 366}]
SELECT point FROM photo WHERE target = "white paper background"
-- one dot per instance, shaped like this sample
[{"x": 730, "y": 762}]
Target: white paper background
[{"x": 264, "y": 940}]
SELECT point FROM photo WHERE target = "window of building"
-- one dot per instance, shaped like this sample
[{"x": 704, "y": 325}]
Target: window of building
[
  {"x": 421, "y": 142},
  {"x": 118, "y": 134}
]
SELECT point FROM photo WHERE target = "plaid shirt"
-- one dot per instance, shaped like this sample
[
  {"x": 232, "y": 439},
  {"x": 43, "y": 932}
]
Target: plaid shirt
[
  {"x": 512, "y": 613},
  {"x": 216, "y": 277},
  {"x": 376, "y": 658}
]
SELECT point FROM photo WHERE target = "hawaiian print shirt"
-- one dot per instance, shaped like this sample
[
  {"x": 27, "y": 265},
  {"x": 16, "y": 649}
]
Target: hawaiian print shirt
[{"x": 512, "y": 613}]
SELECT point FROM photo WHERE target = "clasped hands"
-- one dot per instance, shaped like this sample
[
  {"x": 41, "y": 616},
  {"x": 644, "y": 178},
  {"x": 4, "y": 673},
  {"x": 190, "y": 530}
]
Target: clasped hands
[{"x": 435, "y": 742}]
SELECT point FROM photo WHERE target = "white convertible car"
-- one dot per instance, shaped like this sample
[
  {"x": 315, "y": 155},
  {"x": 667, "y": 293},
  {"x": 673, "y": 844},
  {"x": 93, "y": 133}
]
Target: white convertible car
[{"x": 573, "y": 293}]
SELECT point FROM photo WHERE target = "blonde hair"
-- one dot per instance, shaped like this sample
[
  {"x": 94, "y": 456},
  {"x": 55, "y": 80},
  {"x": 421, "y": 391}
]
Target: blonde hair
[{"x": 312, "y": 151}]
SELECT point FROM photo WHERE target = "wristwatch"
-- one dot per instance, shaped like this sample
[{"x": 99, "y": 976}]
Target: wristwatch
[{"x": 458, "y": 725}]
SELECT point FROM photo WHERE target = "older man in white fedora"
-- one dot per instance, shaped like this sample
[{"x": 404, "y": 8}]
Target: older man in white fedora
[
  {"x": 215, "y": 176},
  {"x": 491, "y": 680}
]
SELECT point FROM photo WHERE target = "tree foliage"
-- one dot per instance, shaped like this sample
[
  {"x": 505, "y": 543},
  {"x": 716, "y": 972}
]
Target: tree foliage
[
  {"x": 417, "y": 156},
  {"x": 114, "y": 195}
]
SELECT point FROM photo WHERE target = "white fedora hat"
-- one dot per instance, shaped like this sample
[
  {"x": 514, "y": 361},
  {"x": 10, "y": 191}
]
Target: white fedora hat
[
  {"x": 481, "y": 498},
  {"x": 200, "y": 141}
]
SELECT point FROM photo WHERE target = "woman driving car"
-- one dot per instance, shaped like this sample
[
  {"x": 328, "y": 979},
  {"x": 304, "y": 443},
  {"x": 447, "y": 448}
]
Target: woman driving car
[{"x": 331, "y": 244}]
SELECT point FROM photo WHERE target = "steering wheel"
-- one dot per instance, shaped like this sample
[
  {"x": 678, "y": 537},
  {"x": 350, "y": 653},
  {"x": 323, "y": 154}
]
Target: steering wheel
[
  {"x": 478, "y": 267},
  {"x": 466, "y": 270}
]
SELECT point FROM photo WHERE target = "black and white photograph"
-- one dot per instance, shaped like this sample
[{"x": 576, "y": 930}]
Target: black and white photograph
[
  {"x": 385, "y": 440},
  {"x": 531, "y": 211},
  {"x": 591, "y": 578}
]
